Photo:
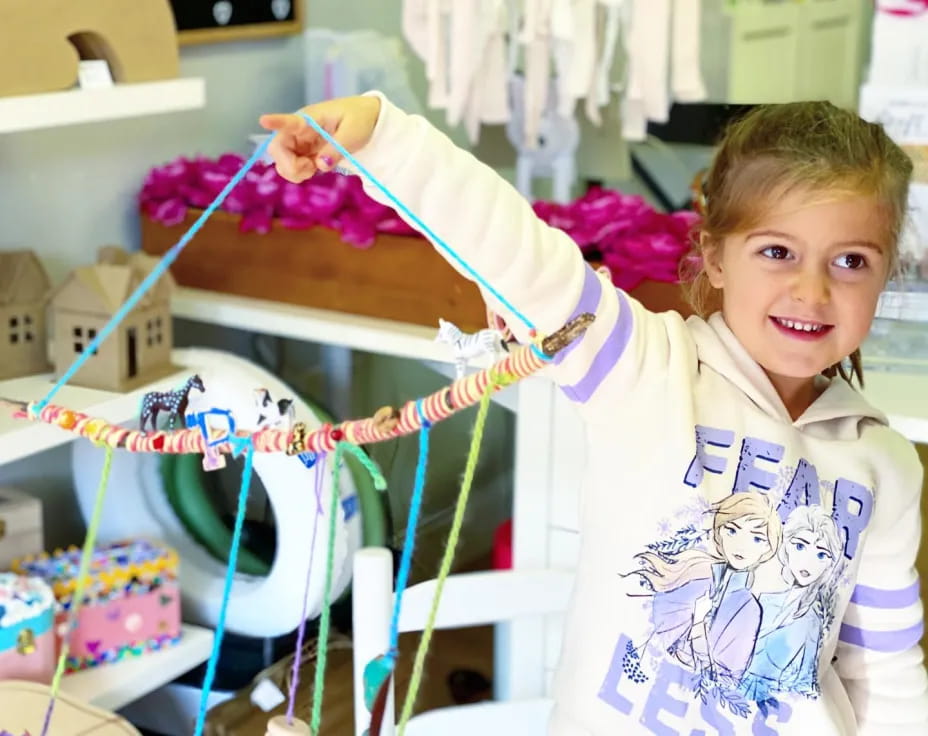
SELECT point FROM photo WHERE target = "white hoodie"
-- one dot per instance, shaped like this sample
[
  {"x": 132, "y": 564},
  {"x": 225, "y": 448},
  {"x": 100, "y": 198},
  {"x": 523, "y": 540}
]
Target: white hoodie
[{"x": 740, "y": 572}]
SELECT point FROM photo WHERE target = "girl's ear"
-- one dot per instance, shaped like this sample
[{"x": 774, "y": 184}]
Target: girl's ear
[{"x": 712, "y": 260}]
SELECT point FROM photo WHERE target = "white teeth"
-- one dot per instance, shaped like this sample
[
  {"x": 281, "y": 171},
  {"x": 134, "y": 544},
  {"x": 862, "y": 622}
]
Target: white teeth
[{"x": 800, "y": 326}]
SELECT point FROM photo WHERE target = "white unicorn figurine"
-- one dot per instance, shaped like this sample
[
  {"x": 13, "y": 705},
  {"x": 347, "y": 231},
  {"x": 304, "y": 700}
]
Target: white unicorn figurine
[{"x": 468, "y": 346}]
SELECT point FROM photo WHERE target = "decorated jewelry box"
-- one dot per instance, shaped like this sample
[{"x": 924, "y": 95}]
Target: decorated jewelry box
[
  {"x": 27, "y": 629},
  {"x": 131, "y": 600}
]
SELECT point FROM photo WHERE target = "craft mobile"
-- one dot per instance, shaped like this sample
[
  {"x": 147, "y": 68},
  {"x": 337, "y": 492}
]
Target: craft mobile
[{"x": 214, "y": 433}]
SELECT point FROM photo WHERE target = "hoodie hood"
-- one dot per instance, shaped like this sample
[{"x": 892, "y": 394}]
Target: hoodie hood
[{"x": 838, "y": 412}]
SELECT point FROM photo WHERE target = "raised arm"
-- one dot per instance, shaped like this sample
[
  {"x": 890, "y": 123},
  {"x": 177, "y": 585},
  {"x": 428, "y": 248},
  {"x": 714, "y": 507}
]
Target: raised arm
[
  {"x": 486, "y": 224},
  {"x": 479, "y": 215}
]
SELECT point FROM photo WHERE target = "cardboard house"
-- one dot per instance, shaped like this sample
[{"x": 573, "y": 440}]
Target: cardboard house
[
  {"x": 24, "y": 292},
  {"x": 138, "y": 351}
]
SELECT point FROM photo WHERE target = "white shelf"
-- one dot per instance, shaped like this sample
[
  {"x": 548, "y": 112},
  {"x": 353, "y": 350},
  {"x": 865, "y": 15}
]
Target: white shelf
[
  {"x": 71, "y": 107},
  {"x": 369, "y": 334},
  {"x": 380, "y": 336},
  {"x": 20, "y": 438},
  {"x": 113, "y": 686},
  {"x": 902, "y": 396}
]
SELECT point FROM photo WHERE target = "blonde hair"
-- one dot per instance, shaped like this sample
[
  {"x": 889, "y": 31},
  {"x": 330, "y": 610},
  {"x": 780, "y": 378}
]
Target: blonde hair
[
  {"x": 692, "y": 564},
  {"x": 777, "y": 149}
]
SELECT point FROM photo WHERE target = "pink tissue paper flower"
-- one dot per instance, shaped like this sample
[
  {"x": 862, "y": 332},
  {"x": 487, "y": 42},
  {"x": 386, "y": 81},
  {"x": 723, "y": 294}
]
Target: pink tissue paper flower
[{"x": 635, "y": 241}]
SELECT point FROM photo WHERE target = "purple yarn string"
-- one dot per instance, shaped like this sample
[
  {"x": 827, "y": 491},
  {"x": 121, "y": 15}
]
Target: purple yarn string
[{"x": 295, "y": 677}]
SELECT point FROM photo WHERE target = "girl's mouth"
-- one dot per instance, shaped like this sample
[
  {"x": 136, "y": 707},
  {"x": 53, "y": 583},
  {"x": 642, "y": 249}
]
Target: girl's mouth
[{"x": 801, "y": 329}]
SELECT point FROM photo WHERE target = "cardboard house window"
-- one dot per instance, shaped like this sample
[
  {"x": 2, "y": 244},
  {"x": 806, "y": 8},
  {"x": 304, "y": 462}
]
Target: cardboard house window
[
  {"x": 80, "y": 335},
  {"x": 154, "y": 332},
  {"x": 21, "y": 329}
]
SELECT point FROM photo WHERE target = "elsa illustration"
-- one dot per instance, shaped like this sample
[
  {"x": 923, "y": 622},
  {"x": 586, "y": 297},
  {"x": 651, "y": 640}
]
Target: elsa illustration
[
  {"x": 796, "y": 620},
  {"x": 703, "y": 611}
]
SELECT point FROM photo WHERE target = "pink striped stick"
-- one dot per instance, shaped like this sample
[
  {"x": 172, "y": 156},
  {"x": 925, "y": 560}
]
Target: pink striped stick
[{"x": 387, "y": 423}]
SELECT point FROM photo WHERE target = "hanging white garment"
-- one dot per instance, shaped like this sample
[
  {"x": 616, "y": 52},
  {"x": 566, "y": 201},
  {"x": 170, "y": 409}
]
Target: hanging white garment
[
  {"x": 686, "y": 82},
  {"x": 658, "y": 31},
  {"x": 574, "y": 48},
  {"x": 536, "y": 40},
  {"x": 425, "y": 25},
  {"x": 477, "y": 65},
  {"x": 600, "y": 92},
  {"x": 647, "y": 41}
]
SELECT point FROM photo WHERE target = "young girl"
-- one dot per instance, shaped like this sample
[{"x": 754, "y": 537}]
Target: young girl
[{"x": 804, "y": 204}]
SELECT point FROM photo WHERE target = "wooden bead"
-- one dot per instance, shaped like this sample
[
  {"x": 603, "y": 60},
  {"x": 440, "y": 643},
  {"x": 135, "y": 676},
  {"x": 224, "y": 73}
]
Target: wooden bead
[{"x": 278, "y": 726}]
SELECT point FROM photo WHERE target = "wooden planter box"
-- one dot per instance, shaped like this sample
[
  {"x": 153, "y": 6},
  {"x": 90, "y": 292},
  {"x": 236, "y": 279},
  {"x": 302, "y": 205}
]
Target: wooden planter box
[{"x": 398, "y": 278}]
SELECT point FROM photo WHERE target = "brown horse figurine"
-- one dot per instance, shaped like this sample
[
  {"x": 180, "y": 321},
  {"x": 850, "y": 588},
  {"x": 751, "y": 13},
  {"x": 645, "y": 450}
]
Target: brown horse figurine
[{"x": 172, "y": 402}]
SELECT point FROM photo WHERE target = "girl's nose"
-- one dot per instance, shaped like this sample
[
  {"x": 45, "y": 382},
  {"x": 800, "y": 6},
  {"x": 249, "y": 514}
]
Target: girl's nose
[{"x": 811, "y": 287}]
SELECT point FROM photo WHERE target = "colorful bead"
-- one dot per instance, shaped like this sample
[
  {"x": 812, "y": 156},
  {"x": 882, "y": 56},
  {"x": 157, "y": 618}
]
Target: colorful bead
[{"x": 67, "y": 420}]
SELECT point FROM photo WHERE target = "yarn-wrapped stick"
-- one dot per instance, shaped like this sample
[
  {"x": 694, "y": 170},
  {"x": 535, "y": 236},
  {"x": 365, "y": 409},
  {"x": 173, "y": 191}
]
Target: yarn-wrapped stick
[{"x": 385, "y": 424}]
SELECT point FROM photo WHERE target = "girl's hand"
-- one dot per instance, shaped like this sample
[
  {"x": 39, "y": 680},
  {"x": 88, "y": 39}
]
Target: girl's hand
[{"x": 299, "y": 151}]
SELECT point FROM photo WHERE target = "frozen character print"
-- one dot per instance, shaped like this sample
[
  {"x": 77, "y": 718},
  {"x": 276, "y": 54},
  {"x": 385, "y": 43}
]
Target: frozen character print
[
  {"x": 796, "y": 620},
  {"x": 703, "y": 612}
]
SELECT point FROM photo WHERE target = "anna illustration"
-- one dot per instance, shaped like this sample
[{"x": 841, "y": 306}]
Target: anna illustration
[
  {"x": 795, "y": 621},
  {"x": 703, "y": 611}
]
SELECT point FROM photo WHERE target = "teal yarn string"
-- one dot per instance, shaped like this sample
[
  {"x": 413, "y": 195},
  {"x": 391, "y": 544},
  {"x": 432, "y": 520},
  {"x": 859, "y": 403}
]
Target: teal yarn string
[
  {"x": 409, "y": 543},
  {"x": 210, "y": 676},
  {"x": 156, "y": 273},
  {"x": 422, "y": 227}
]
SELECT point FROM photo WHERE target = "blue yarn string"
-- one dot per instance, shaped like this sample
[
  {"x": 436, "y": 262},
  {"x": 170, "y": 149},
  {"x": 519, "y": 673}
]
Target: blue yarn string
[
  {"x": 210, "y": 676},
  {"x": 422, "y": 227},
  {"x": 409, "y": 543},
  {"x": 156, "y": 273}
]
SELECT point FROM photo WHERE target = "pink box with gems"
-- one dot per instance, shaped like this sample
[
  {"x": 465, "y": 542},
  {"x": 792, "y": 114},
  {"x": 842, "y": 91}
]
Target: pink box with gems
[{"x": 131, "y": 601}]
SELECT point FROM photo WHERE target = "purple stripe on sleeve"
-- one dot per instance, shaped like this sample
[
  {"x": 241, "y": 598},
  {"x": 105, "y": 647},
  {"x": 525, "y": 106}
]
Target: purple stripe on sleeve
[
  {"x": 607, "y": 356},
  {"x": 864, "y": 595},
  {"x": 883, "y": 641},
  {"x": 589, "y": 301}
]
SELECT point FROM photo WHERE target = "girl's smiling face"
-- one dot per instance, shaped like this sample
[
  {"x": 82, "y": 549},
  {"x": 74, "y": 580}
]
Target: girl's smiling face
[
  {"x": 800, "y": 289},
  {"x": 744, "y": 542},
  {"x": 808, "y": 557}
]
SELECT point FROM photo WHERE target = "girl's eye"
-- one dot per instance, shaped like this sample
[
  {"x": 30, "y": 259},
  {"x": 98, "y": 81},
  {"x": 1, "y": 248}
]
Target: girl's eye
[
  {"x": 851, "y": 261},
  {"x": 799, "y": 546},
  {"x": 822, "y": 555},
  {"x": 776, "y": 252},
  {"x": 730, "y": 530},
  {"x": 759, "y": 540}
]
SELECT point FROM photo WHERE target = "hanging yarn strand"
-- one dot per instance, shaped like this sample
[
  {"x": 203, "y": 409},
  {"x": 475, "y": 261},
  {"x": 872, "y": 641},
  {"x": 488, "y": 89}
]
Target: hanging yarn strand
[
  {"x": 298, "y": 654},
  {"x": 379, "y": 672},
  {"x": 450, "y": 547},
  {"x": 326, "y": 615},
  {"x": 90, "y": 540},
  {"x": 412, "y": 525},
  {"x": 155, "y": 274},
  {"x": 227, "y": 589},
  {"x": 420, "y": 225}
]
